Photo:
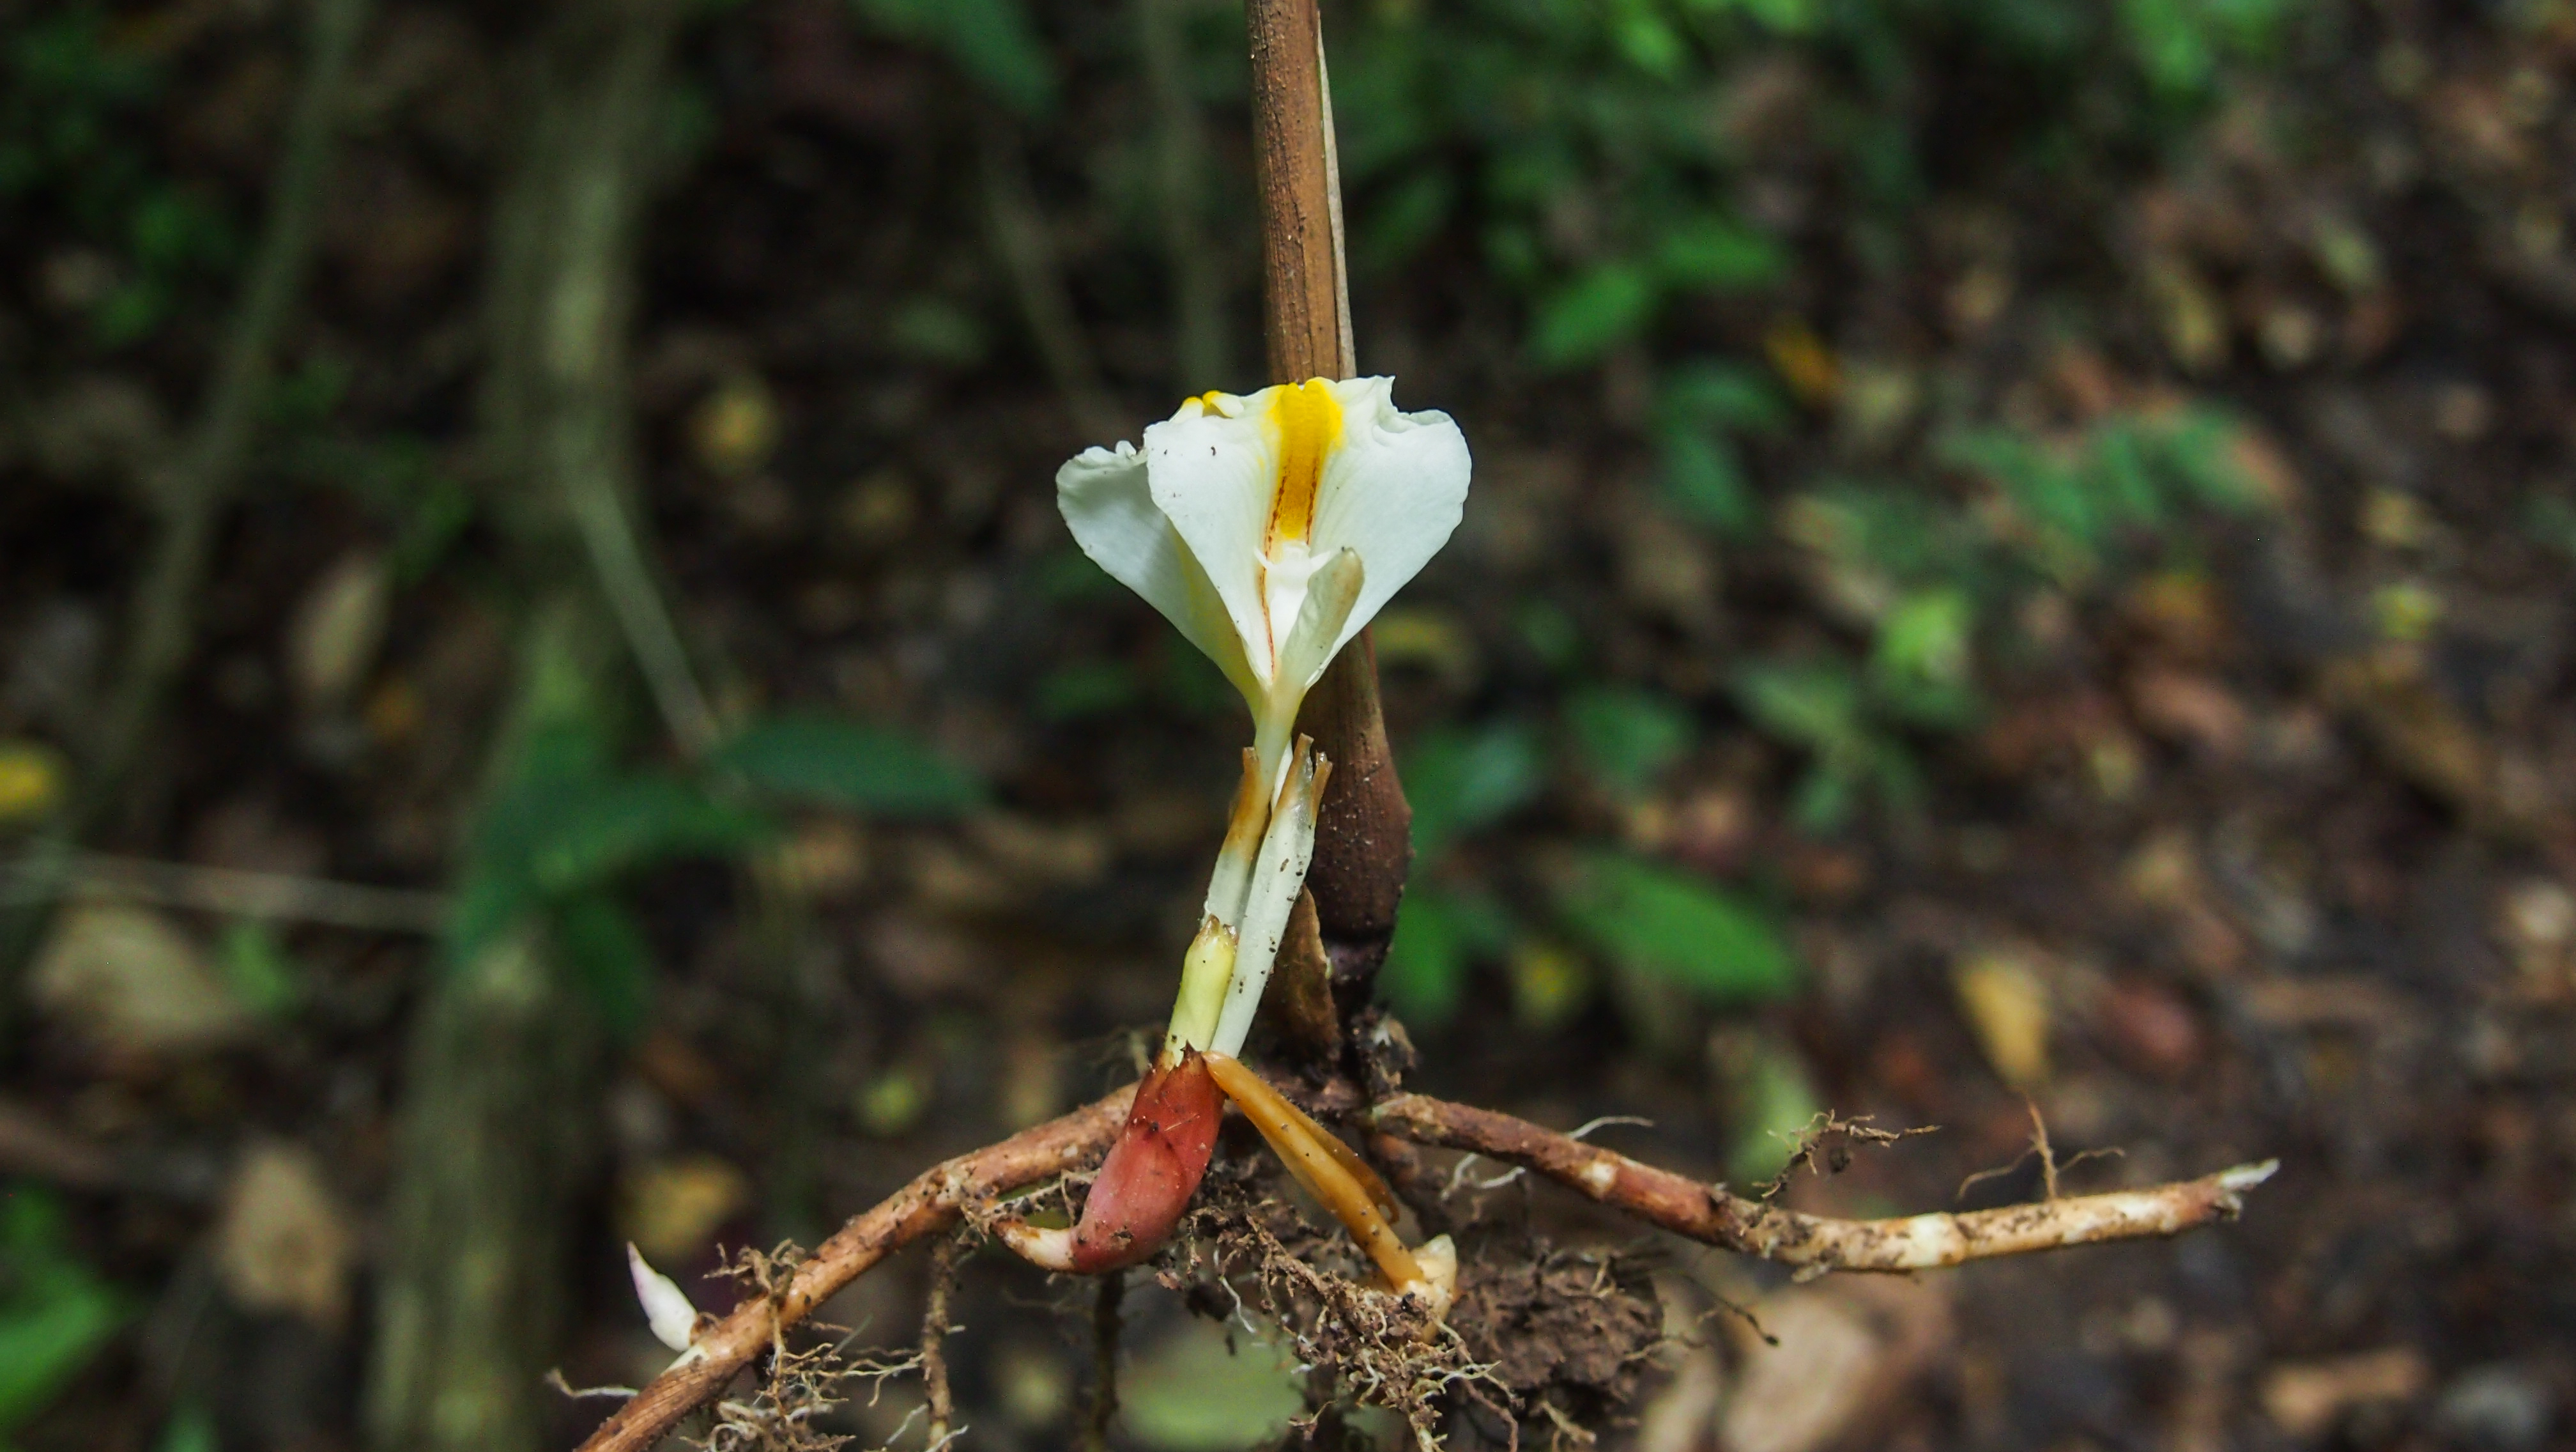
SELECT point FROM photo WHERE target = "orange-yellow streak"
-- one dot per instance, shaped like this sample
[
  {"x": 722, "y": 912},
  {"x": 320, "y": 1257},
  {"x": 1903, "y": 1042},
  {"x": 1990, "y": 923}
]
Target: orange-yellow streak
[{"x": 1306, "y": 423}]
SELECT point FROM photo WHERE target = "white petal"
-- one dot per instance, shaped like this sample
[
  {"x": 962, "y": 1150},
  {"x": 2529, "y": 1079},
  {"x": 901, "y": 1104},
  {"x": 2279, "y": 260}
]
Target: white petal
[
  {"x": 1210, "y": 475},
  {"x": 1393, "y": 491},
  {"x": 1107, "y": 504},
  {"x": 666, "y": 1306}
]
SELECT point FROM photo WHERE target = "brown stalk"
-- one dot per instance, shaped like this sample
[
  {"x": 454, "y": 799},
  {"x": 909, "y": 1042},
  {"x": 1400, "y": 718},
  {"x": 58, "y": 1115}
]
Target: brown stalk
[{"x": 1363, "y": 832}]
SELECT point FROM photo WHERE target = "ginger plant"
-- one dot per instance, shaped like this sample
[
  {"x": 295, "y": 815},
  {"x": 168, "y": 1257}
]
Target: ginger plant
[{"x": 1269, "y": 528}]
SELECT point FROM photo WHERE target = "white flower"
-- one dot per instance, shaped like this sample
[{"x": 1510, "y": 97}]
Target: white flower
[{"x": 1271, "y": 528}]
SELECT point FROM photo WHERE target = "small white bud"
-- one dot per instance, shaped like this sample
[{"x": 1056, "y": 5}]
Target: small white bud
[{"x": 666, "y": 1306}]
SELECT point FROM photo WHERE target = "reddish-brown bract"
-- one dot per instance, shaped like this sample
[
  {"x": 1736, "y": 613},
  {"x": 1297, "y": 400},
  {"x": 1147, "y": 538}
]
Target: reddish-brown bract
[{"x": 1152, "y": 1171}]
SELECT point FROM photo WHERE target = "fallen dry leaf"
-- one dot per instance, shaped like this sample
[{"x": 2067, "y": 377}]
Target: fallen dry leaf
[
  {"x": 130, "y": 979},
  {"x": 2190, "y": 708},
  {"x": 734, "y": 429},
  {"x": 285, "y": 1244},
  {"x": 2006, "y": 1004},
  {"x": 31, "y": 780},
  {"x": 2150, "y": 1026},
  {"x": 670, "y": 1208},
  {"x": 2306, "y": 1399},
  {"x": 337, "y": 628},
  {"x": 1840, "y": 1353},
  {"x": 1680, "y": 1416}
]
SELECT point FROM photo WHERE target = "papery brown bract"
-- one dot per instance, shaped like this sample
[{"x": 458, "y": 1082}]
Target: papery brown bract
[{"x": 1147, "y": 1180}]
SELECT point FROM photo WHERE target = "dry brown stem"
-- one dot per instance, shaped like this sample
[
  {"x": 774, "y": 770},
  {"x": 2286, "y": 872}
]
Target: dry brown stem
[
  {"x": 935, "y": 1326},
  {"x": 929, "y": 1205},
  {"x": 1707, "y": 1213},
  {"x": 1363, "y": 843},
  {"x": 1106, "y": 1327}
]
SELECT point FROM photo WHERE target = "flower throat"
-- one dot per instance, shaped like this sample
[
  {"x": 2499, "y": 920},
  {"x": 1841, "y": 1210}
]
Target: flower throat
[{"x": 1306, "y": 422}]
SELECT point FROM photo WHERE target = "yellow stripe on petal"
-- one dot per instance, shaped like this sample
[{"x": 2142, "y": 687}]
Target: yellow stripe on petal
[{"x": 1306, "y": 423}]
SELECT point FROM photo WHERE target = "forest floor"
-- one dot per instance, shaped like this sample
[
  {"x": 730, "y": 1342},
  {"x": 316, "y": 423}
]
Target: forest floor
[{"x": 2263, "y": 849}]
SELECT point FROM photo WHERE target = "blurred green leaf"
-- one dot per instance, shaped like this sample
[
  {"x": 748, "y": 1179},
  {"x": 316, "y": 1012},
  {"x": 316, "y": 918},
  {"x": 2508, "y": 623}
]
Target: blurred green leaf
[
  {"x": 1919, "y": 665},
  {"x": 55, "y": 1312},
  {"x": 1814, "y": 704},
  {"x": 1653, "y": 920},
  {"x": 1647, "y": 39},
  {"x": 1190, "y": 681},
  {"x": 262, "y": 974},
  {"x": 1627, "y": 736},
  {"x": 1926, "y": 637},
  {"x": 826, "y": 761},
  {"x": 1821, "y": 705},
  {"x": 1703, "y": 481},
  {"x": 1549, "y": 632},
  {"x": 639, "y": 821},
  {"x": 1729, "y": 395},
  {"x": 1773, "y": 1101},
  {"x": 2179, "y": 44},
  {"x": 1203, "y": 1388},
  {"x": 1082, "y": 689},
  {"x": 1596, "y": 312},
  {"x": 1068, "y": 575},
  {"x": 934, "y": 330},
  {"x": 191, "y": 1428},
  {"x": 1786, "y": 17},
  {"x": 992, "y": 41},
  {"x": 2550, "y": 520},
  {"x": 1407, "y": 215},
  {"x": 1460, "y": 779},
  {"x": 1723, "y": 256},
  {"x": 1437, "y": 935},
  {"x": 605, "y": 948},
  {"x": 2128, "y": 473}
]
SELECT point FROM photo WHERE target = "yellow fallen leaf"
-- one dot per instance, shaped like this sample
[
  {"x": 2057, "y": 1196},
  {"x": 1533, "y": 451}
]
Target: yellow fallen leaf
[
  {"x": 337, "y": 629},
  {"x": 2007, "y": 1007},
  {"x": 31, "y": 780},
  {"x": 2188, "y": 313},
  {"x": 132, "y": 981},
  {"x": 734, "y": 429},
  {"x": 285, "y": 1243},
  {"x": 671, "y": 1208},
  {"x": 1803, "y": 361},
  {"x": 2306, "y": 1399}
]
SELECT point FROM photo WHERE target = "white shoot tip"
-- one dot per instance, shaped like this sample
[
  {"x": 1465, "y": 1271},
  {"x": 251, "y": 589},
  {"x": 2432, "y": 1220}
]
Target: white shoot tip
[
  {"x": 2246, "y": 1177},
  {"x": 666, "y": 1306},
  {"x": 1045, "y": 1249},
  {"x": 1438, "y": 1258}
]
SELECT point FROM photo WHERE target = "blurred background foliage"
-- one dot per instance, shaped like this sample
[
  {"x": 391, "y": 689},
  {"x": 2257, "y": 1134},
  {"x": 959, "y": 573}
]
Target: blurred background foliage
[{"x": 1952, "y": 473}]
